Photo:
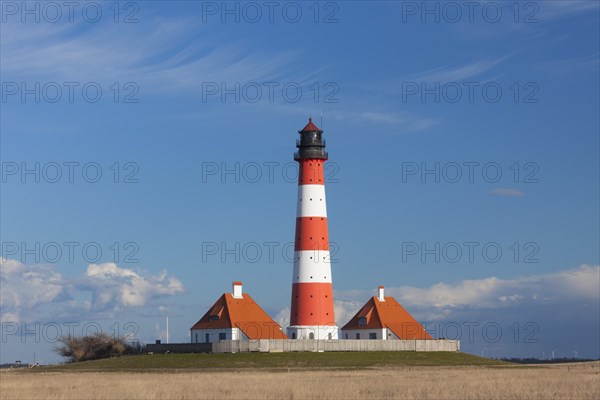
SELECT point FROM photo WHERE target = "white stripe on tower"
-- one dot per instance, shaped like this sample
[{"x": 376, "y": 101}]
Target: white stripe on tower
[{"x": 311, "y": 201}]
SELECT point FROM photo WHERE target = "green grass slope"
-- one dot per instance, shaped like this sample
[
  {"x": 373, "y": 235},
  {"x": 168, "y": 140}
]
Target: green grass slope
[{"x": 274, "y": 361}]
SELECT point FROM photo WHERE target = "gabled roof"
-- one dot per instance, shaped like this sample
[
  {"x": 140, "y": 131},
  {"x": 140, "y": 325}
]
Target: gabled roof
[
  {"x": 388, "y": 314},
  {"x": 243, "y": 313},
  {"x": 310, "y": 127}
]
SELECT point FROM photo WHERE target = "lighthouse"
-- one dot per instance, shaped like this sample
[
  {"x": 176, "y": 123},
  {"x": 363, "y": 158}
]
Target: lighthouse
[{"x": 311, "y": 315}]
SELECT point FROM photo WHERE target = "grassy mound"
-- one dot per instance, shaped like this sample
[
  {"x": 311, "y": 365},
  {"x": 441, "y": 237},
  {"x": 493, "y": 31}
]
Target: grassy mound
[{"x": 276, "y": 361}]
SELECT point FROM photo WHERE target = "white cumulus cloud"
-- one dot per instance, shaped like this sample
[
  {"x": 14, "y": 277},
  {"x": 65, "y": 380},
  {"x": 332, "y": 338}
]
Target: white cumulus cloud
[
  {"x": 25, "y": 287},
  {"x": 115, "y": 287},
  {"x": 40, "y": 291}
]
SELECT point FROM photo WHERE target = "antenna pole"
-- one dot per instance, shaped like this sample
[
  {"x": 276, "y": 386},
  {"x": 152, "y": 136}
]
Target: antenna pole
[{"x": 322, "y": 119}]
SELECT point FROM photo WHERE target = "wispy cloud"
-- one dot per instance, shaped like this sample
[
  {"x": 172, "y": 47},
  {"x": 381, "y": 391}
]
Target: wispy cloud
[
  {"x": 402, "y": 121},
  {"x": 459, "y": 73},
  {"x": 159, "y": 55},
  {"x": 572, "y": 66},
  {"x": 507, "y": 192},
  {"x": 550, "y": 10}
]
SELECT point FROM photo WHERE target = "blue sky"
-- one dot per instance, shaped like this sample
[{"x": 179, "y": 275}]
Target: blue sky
[{"x": 198, "y": 114}]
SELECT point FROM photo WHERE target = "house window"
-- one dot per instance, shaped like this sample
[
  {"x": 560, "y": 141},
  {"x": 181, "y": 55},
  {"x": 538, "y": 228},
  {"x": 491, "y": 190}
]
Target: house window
[
  {"x": 311, "y": 336},
  {"x": 358, "y": 335},
  {"x": 294, "y": 335},
  {"x": 222, "y": 336},
  {"x": 214, "y": 317},
  {"x": 346, "y": 336},
  {"x": 196, "y": 338},
  {"x": 372, "y": 335},
  {"x": 207, "y": 338},
  {"x": 362, "y": 321}
]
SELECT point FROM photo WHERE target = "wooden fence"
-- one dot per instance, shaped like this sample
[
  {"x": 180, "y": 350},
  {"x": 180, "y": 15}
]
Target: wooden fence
[{"x": 289, "y": 345}]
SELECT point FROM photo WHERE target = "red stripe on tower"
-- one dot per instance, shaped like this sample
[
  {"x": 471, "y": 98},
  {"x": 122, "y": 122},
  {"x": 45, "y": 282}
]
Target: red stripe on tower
[{"x": 312, "y": 292}]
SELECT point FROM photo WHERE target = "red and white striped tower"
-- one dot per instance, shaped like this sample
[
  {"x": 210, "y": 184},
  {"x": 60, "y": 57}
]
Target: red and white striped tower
[{"x": 312, "y": 292}]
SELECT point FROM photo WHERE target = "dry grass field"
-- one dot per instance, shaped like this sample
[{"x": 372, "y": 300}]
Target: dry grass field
[{"x": 574, "y": 381}]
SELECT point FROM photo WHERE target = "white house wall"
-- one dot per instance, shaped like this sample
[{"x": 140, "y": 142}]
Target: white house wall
[
  {"x": 364, "y": 334},
  {"x": 199, "y": 335}
]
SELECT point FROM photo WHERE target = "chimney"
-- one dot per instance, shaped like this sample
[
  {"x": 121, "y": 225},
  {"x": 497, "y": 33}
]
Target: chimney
[
  {"x": 380, "y": 296},
  {"x": 237, "y": 290}
]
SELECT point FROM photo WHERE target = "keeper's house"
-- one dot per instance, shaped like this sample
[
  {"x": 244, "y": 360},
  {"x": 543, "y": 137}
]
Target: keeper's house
[
  {"x": 383, "y": 318},
  {"x": 235, "y": 316}
]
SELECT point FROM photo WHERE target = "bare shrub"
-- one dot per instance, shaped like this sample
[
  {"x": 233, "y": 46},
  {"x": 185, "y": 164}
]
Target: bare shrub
[{"x": 94, "y": 347}]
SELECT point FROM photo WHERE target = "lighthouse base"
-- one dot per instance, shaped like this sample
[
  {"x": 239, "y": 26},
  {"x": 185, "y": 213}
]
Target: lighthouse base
[{"x": 313, "y": 332}]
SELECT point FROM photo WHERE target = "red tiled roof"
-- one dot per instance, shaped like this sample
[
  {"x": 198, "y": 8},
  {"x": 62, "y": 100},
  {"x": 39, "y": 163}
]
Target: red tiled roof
[
  {"x": 310, "y": 127},
  {"x": 388, "y": 314},
  {"x": 243, "y": 313}
]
